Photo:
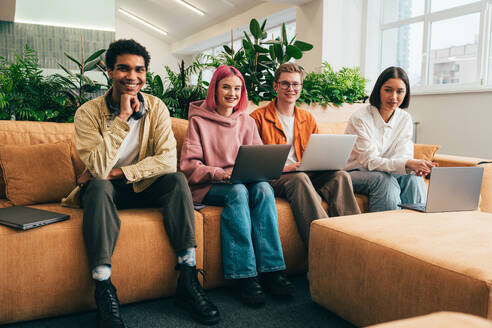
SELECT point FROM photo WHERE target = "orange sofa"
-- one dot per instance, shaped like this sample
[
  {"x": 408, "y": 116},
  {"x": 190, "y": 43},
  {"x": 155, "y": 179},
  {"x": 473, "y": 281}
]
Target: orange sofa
[{"x": 44, "y": 271}]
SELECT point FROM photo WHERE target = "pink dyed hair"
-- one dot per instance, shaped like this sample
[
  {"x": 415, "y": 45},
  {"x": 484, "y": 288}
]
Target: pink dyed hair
[{"x": 221, "y": 72}]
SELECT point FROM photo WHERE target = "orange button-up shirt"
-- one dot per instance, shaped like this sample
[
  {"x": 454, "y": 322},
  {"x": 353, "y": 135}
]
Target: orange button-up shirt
[{"x": 271, "y": 131}]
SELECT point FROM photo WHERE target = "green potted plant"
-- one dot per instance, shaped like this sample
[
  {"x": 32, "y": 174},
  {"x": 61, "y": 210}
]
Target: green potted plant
[
  {"x": 25, "y": 94},
  {"x": 258, "y": 58},
  {"x": 175, "y": 91}
]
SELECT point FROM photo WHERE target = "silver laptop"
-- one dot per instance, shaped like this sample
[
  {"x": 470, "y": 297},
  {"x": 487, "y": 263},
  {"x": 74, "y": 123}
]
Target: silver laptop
[
  {"x": 255, "y": 163},
  {"x": 451, "y": 189},
  {"x": 326, "y": 152},
  {"x": 24, "y": 218}
]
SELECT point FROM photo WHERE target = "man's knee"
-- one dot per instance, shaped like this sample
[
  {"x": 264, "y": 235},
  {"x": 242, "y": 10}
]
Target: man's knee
[
  {"x": 178, "y": 179},
  {"x": 342, "y": 177},
  {"x": 299, "y": 180},
  {"x": 99, "y": 188}
]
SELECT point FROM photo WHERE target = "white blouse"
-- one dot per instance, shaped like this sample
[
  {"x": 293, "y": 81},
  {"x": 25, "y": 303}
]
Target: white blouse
[{"x": 380, "y": 146}]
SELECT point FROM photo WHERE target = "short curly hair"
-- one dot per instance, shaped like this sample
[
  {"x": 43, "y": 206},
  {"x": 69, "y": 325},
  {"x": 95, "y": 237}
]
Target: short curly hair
[{"x": 123, "y": 47}]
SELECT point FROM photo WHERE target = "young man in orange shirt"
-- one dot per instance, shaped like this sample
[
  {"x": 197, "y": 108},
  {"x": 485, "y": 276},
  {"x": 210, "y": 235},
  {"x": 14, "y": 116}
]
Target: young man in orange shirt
[{"x": 282, "y": 122}]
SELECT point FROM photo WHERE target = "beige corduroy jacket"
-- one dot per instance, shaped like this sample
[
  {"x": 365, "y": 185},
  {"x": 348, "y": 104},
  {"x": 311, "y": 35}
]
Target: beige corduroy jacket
[{"x": 98, "y": 139}]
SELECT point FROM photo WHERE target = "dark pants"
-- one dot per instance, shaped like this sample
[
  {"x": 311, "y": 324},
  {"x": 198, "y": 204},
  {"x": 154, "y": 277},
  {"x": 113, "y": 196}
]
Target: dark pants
[
  {"x": 303, "y": 190},
  {"x": 102, "y": 198}
]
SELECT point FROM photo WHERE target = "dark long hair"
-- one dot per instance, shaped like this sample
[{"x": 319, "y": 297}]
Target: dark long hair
[{"x": 392, "y": 72}]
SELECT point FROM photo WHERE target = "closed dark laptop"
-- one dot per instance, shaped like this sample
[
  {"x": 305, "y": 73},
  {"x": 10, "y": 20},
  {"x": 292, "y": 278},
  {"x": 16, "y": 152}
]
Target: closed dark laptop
[
  {"x": 256, "y": 163},
  {"x": 24, "y": 218}
]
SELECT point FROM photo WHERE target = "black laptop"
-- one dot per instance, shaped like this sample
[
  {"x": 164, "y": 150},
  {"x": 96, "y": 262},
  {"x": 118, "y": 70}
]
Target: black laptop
[
  {"x": 256, "y": 163},
  {"x": 24, "y": 218}
]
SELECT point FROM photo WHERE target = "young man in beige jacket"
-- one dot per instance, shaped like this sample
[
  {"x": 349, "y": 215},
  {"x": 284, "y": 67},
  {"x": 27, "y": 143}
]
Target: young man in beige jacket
[{"x": 126, "y": 141}]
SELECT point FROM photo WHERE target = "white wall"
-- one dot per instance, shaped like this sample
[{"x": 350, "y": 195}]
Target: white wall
[
  {"x": 93, "y": 14},
  {"x": 342, "y": 36},
  {"x": 461, "y": 123},
  {"x": 334, "y": 27},
  {"x": 160, "y": 51}
]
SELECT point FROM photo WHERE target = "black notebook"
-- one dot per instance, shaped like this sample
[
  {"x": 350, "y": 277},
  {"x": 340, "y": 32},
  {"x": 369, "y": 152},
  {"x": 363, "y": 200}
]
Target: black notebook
[{"x": 24, "y": 218}]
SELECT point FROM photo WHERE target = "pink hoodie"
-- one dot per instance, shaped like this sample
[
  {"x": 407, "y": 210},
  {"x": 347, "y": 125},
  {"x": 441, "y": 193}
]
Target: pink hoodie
[{"x": 211, "y": 145}]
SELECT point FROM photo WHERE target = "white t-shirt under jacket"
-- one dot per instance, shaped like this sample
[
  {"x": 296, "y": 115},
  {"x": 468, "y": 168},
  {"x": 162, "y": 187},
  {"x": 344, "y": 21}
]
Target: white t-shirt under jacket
[{"x": 380, "y": 146}]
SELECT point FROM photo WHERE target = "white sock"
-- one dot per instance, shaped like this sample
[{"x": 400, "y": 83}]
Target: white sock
[
  {"x": 187, "y": 257},
  {"x": 101, "y": 272}
]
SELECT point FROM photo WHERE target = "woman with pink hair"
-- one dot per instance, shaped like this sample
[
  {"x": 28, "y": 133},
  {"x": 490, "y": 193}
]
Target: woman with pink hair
[{"x": 251, "y": 247}]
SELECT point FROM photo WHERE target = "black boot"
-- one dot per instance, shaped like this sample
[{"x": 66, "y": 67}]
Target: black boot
[
  {"x": 277, "y": 284},
  {"x": 191, "y": 296},
  {"x": 108, "y": 305},
  {"x": 251, "y": 292}
]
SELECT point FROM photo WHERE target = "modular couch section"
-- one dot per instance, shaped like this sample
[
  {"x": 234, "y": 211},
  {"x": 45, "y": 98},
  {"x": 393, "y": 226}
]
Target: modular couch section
[{"x": 385, "y": 266}]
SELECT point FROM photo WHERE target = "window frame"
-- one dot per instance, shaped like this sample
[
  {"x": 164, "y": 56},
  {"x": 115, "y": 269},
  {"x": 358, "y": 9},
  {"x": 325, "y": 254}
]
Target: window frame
[{"x": 483, "y": 7}]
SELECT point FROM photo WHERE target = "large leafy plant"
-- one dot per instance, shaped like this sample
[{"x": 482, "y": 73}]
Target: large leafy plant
[
  {"x": 258, "y": 59},
  {"x": 25, "y": 94},
  {"x": 175, "y": 90},
  {"x": 345, "y": 86},
  {"x": 80, "y": 85}
]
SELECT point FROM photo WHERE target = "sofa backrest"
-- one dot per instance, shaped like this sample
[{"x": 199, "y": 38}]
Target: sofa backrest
[{"x": 32, "y": 133}]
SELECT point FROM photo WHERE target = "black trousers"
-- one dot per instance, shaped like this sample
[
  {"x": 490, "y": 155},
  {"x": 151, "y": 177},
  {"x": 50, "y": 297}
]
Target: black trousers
[{"x": 101, "y": 200}]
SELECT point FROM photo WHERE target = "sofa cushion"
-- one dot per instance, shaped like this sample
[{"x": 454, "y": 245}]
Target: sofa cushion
[
  {"x": 180, "y": 127},
  {"x": 423, "y": 151},
  {"x": 37, "y": 173},
  {"x": 332, "y": 127},
  {"x": 439, "y": 320},
  {"x": 384, "y": 266}
]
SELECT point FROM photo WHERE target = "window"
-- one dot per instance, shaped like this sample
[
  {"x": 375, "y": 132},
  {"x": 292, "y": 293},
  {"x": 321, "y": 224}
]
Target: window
[{"x": 438, "y": 42}]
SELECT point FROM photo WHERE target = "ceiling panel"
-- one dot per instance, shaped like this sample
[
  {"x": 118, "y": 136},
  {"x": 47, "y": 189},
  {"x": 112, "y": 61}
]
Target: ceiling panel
[{"x": 180, "y": 21}]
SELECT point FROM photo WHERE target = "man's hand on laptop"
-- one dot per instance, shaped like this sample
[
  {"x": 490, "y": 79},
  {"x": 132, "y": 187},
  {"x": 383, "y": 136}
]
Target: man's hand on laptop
[
  {"x": 421, "y": 167},
  {"x": 291, "y": 167}
]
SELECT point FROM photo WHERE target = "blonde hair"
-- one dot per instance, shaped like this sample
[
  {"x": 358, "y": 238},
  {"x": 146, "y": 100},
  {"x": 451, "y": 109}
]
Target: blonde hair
[{"x": 288, "y": 68}]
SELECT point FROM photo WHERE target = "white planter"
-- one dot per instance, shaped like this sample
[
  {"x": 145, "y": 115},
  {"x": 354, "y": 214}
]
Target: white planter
[{"x": 322, "y": 114}]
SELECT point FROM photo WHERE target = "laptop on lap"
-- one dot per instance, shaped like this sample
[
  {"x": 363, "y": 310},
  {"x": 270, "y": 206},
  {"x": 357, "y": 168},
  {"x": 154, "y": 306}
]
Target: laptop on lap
[
  {"x": 24, "y": 218},
  {"x": 325, "y": 152},
  {"x": 255, "y": 163},
  {"x": 451, "y": 189}
]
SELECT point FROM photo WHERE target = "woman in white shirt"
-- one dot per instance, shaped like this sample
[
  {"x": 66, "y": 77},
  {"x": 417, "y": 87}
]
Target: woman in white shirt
[{"x": 381, "y": 164}]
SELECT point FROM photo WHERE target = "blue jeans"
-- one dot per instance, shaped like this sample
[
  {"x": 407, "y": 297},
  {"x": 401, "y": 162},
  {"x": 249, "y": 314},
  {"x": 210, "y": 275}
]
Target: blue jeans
[
  {"x": 387, "y": 190},
  {"x": 248, "y": 227}
]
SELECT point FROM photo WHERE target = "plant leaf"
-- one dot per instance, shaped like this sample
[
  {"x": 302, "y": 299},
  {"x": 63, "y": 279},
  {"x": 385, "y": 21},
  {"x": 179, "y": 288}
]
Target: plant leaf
[
  {"x": 303, "y": 46},
  {"x": 94, "y": 55},
  {"x": 255, "y": 29},
  {"x": 74, "y": 60},
  {"x": 284, "y": 35},
  {"x": 294, "y": 52},
  {"x": 69, "y": 72}
]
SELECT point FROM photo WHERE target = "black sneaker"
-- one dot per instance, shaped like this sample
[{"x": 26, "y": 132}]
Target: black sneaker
[
  {"x": 251, "y": 292},
  {"x": 191, "y": 296},
  {"x": 108, "y": 305},
  {"x": 277, "y": 284}
]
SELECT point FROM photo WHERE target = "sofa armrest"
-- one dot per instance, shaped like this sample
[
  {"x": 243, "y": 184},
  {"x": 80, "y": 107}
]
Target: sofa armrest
[{"x": 455, "y": 160}]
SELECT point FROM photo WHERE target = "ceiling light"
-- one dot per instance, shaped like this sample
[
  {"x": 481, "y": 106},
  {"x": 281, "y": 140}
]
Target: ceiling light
[
  {"x": 190, "y": 6},
  {"x": 142, "y": 21}
]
